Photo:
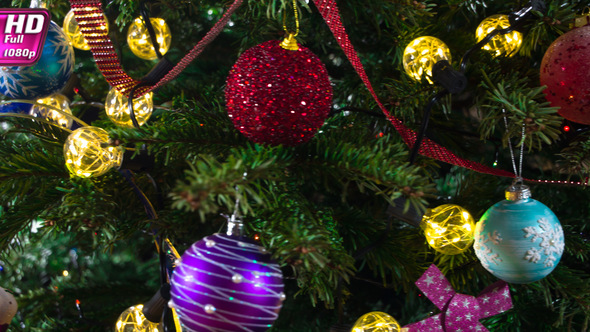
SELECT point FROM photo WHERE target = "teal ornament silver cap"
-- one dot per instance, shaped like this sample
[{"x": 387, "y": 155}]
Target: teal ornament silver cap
[{"x": 518, "y": 191}]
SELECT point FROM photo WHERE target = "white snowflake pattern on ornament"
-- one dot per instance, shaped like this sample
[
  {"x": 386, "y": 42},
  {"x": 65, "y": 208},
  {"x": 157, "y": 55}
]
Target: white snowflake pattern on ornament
[
  {"x": 487, "y": 255},
  {"x": 533, "y": 255},
  {"x": 13, "y": 82},
  {"x": 552, "y": 242}
]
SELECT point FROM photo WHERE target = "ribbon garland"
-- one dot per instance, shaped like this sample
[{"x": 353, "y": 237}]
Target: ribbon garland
[
  {"x": 329, "y": 12},
  {"x": 89, "y": 15},
  {"x": 459, "y": 312}
]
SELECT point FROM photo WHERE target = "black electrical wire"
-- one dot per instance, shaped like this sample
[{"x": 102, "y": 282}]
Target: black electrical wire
[
  {"x": 145, "y": 16},
  {"x": 425, "y": 120},
  {"x": 130, "y": 104}
]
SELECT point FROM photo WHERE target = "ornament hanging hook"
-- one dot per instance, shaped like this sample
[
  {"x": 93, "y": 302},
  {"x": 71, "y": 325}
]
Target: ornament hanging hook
[
  {"x": 583, "y": 19},
  {"x": 38, "y": 4},
  {"x": 235, "y": 226},
  {"x": 290, "y": 43}
]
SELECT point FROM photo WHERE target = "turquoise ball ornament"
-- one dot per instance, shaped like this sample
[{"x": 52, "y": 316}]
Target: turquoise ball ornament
[
  {"x": 47, "y": 76},
  {"x": 519, "y": 240}
]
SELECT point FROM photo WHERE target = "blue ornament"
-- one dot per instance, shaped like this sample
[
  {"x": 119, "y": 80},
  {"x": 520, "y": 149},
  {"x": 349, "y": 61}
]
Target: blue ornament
[
  {"x": 22, "y": 108},
  {"x": 47, "y": 76},
  {"x": 519, "y": 240}
]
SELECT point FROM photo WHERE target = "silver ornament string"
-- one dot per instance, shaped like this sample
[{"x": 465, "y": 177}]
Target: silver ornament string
[
  {"x": 518, "y": 171},
  {"x": 521, "y": 152}
]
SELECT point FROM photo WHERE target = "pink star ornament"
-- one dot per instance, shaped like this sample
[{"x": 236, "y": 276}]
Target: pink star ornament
[{"x": 459, "y": 312}]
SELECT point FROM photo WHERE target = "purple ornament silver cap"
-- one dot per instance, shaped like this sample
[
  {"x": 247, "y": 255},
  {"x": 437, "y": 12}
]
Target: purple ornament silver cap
[
  {"x": 235, "y": 227},
  {"x": 518, "y": 191}
]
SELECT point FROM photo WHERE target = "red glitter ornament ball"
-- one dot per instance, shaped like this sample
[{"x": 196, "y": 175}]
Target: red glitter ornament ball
[
  {"x": 565, "y": 70},
  {"x": 277, "y": 96}
]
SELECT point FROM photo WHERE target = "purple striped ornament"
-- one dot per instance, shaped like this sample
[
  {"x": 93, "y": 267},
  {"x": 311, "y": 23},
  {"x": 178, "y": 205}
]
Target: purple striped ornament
[{"x": 226, "y": 283}]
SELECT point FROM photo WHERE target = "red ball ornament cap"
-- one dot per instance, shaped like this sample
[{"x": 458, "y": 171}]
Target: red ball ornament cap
[
  {"x": 564, "y": 70},
  {"x": 277, "y": 96}
]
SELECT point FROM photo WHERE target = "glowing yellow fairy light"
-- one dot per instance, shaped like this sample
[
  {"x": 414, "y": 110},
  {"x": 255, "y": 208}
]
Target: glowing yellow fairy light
[
  {"x": 87, "y": 152},
  {"x": 70, "y": 27},
  {"x": 501, "y": 45},
  {"x": 55, "y": 101},
  {"x": 133, "y": 320},
  {"x": 448, "y": 229},
  {"x": 139, "y": 40},
  {"x": 421, "y": 54},
  {"x": 376, "y": 321},
  {"x": 117, "y": 108}
]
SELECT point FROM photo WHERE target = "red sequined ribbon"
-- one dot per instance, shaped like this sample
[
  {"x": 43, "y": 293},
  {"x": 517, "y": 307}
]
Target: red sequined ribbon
[
  {"x": 89, "y": 15},
  {"x": 429, "y": 148},
  {"x": 329, "y": 12}
]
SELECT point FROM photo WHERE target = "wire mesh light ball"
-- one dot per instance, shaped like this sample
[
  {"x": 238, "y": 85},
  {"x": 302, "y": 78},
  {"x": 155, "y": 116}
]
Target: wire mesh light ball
[
  {"x": 140, "y": 42},
  {"x": 117, "y": 108},
  {"x": 226, "y": 283},
  {"x": 502, "y": 44},
  {"x": 72, "y": 30},
  {"x": 448, "y": 229},
  {"x": 54, "y": 101},
  {"x": 133, "y": 320},
  {"x": 376, "y": 321},
  {"x": 87, "y": 152},
  {"x": 421, "y": 54}
]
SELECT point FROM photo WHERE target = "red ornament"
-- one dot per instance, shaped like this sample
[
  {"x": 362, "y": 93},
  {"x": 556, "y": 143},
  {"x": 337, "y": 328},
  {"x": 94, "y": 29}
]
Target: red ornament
[
  {"x": 277, "y": 96},
  {"x": 566, "y": 72}
]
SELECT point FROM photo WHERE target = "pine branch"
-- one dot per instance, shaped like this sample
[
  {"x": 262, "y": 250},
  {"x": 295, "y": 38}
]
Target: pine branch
[
  {"x": 524, "y": 107},
  {"x": 307, "y": 239},
  {"x": 576, "y": 157},
  {"x": 548, "y": 26},
  {"x": 212, "y": 184}
]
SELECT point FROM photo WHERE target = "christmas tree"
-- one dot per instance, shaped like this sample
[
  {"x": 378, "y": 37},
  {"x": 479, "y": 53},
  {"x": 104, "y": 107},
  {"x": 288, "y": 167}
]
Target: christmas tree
[{"x": 329, "y": 152}]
